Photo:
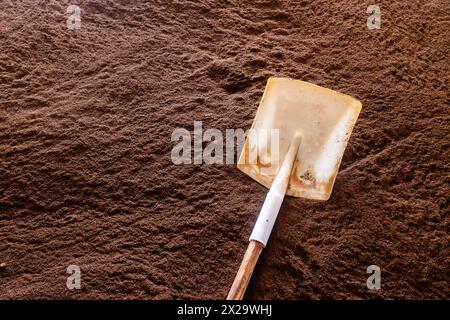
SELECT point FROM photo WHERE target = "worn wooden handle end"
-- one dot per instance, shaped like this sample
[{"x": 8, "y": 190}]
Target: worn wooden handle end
[{"x": 245, "y": 271}]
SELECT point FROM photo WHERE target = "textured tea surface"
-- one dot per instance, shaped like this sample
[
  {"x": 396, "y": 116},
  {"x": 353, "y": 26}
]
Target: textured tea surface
[{"x": 86, "y": 177}]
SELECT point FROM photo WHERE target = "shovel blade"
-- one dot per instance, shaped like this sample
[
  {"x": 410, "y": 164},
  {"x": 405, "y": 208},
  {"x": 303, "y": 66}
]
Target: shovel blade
[{"x": 324, "y": 117}]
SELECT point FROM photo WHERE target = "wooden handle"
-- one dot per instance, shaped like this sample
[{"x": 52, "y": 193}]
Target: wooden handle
[
  {"x": 265, "y": 222},
  {"x": 245, "y": 271}
]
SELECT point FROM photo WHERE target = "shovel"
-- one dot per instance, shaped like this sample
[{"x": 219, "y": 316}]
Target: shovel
[{"x": 294, "y": 147}]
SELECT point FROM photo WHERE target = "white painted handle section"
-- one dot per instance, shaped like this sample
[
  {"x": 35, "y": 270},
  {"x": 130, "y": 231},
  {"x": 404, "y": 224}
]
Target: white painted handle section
[{"x": 274, "y": 199}]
